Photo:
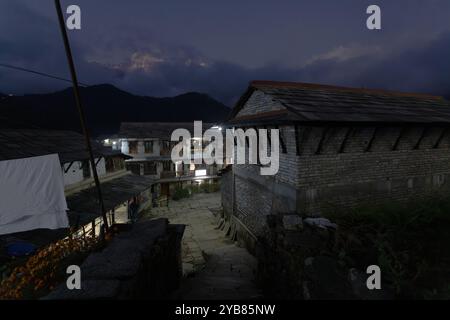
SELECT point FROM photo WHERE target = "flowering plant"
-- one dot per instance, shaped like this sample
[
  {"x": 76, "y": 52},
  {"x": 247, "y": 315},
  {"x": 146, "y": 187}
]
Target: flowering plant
[{"x": 42, "y": 271}]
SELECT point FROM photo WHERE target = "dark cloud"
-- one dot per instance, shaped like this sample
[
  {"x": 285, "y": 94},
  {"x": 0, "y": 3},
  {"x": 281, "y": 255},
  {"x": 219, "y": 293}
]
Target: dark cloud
[
  {"x": 143, "y": 62},
  {"x": 422, "y": 67}
]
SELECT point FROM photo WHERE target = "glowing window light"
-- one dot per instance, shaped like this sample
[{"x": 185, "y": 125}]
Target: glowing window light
[{"x": 201, "y": 172}]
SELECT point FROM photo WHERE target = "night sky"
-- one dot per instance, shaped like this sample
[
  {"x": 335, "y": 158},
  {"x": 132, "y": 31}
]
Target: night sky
[{"x": 164, "y": 48}]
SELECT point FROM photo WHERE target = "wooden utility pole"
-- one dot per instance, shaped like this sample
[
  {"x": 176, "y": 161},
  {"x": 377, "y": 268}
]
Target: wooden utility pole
[{"x": 76, "y": 93}]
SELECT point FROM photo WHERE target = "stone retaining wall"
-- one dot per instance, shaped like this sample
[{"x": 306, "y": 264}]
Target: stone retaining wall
[{"x": 144, "y": 263}]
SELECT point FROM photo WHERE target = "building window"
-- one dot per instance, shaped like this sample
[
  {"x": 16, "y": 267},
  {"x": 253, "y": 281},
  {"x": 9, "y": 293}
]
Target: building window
[
  {"x": 115, "y": 145},
  {"x": 149, "y": 168},
  {"x": 166, "y": 144},
  {"x": 132, "y": 146},
  {"x": 86, "y": 169},
  {"x": 148, "y": 146},
  {"x": 165, "y": 147},
  {"x": 109, "y": 165},
  {"x": 200, "y": 172}
]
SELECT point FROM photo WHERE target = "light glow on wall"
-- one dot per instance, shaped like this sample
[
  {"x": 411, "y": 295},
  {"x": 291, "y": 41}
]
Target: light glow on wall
[{"x": 201, "y": 172}]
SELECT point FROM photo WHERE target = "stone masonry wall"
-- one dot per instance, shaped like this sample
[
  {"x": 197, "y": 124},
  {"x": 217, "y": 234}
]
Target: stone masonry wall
[
  {"x": 310, "y": 182},
  {"x": 360, "y": 177},
  {"x": 142, "y": 263},
  {"x": 226, "y": 188},
  {"x": 258, "y": 196}
]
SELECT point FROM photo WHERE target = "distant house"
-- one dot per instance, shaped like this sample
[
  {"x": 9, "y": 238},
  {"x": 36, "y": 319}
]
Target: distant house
[
  {"x": 70, "y": 146},
  {"x": 339, "y": 148},
  {"x": 118, "y": 186},
  {"x": 149, "y": 146}
]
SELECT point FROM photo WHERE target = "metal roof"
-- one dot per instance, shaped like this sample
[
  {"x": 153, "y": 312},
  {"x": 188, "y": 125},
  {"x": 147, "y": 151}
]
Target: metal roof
[
  {"x": 305, "y": 102},
  {"x": 150, "y": 158},
  {"x": 114, "y": 192},
  {"x": 69, "y": 145},
  {"x": 156, "y": 130}
]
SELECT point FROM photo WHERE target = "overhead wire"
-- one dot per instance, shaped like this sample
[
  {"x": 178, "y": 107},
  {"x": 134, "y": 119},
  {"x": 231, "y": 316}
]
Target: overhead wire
[{"x": 9, "y": 66}]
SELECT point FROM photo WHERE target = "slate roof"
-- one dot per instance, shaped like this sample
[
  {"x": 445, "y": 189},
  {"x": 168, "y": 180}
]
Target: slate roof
[
  {"x": 114, "y": 192},
  {"x": 305, "y": 102},
  {"x": 157, "y": 130},
  {"x": 69, "y": 145}
]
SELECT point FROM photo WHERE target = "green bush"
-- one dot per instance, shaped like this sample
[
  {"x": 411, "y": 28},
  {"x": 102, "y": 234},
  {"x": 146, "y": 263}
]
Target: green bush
[
  {"x": 409, "y": 242},
  {"x": 180, "y": 193},
  {"x": 194, "y": 189}
]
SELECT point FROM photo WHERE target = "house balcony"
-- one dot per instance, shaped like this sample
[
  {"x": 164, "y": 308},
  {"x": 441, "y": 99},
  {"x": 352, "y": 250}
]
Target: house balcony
[
  {"x": 165, "y": 152},
  {"x": 167, "y": 174}
]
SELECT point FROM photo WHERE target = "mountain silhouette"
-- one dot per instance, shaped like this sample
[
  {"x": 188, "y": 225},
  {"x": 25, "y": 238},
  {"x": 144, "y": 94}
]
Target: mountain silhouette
[{"x": 106, "y": 106}]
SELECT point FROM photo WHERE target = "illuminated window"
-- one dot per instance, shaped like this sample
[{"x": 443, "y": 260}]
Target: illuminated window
[{"x": 201, "y": 172}]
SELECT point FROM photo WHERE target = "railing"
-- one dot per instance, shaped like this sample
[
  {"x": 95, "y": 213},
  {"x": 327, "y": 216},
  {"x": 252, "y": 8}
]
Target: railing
[
  {"x": 165, "y": 151},
  {"x": 183, "y": 174},
  {"x": 167, "y": 174}
]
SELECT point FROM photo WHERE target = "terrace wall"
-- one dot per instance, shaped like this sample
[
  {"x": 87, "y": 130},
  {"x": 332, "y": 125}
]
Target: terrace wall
[{"x": 142, "y": 263}]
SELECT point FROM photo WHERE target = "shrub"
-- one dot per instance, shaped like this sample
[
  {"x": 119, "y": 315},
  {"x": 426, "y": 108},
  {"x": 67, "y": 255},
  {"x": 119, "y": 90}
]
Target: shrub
[
  {"x": 409, "y": 242},
  {"x": 180, "y": 193}
]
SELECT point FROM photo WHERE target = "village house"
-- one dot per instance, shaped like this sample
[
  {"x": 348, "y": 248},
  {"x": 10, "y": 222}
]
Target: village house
[
  {"x": 48, "y": 203},
  {"x": 339, "y": 148},
  {"x": 149, "y": 146},
  {"x": 119, "y": 187}
]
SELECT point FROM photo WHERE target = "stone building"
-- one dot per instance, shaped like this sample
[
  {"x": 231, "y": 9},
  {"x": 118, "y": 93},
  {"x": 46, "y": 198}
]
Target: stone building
[{"x": 339, "y": 148}]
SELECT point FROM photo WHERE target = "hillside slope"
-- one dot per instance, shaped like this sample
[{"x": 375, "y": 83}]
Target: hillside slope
[{"x": 106, "y": 107}]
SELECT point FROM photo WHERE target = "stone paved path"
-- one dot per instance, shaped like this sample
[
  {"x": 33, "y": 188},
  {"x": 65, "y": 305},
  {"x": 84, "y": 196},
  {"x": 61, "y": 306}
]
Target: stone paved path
[{"x": 213, "y": 266}]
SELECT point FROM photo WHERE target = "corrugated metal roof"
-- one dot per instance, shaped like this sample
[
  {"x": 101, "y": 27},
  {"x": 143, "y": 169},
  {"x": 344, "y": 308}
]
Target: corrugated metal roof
[
  {"x": 157, "y": 130},
  {"x": 321, "y": 103},
  {"x": 69, "y": 145},
  {"x": 114, "y": 192}
]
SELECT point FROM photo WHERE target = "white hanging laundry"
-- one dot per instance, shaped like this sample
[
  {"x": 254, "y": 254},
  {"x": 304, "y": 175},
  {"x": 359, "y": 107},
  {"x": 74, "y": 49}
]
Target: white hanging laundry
[{"x": 32, "y": 194}]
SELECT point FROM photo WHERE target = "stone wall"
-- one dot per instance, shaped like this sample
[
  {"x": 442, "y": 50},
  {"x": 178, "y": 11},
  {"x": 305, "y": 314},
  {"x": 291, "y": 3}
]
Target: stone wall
[
  {"x": 310, "y": 184},
  {"x": 297, "y": 260},
  {"x": 144, "y": 263},
  {"x": 327, "y": 167},
  {"x": 360, "y": 176},
  {"x": 226, "y": 188},
  {"x": 256, "y": 197}
]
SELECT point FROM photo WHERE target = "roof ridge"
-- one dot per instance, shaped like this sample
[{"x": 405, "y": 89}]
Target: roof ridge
[{"x": 304, "y": 85}]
